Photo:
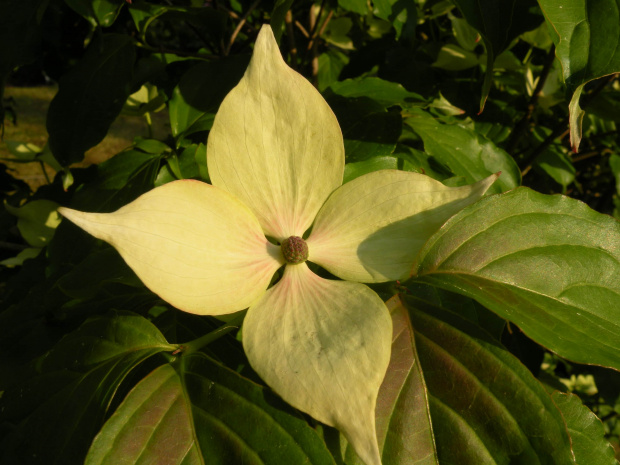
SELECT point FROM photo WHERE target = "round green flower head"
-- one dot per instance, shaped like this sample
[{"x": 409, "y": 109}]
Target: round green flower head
[{"x": 295, "y": 250}]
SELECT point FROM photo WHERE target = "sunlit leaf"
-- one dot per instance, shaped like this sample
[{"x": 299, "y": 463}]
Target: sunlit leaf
[
  {"x": 549, "y": 264},
  {"x": 486, "y": 407},
  {"x": 586, "y": 431},
  {"x": 204, "y": 413},
  {"x": 465, "y": 152}
]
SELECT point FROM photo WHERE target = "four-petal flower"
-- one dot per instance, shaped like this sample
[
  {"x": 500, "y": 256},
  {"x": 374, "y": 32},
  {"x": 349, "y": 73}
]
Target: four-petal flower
[{"x": 276, "y": 161}]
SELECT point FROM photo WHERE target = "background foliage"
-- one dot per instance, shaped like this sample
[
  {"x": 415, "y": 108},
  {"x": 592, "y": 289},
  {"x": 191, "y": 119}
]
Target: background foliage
[{"x": 455, "y": 89}]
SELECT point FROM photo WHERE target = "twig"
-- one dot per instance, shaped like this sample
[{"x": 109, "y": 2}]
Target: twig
[
  {"x": 314, "y": 20},
  {"x": 314, "y": 45},
  {"x": 240, "y": 25},
  {"x": 302, "y": 29}
]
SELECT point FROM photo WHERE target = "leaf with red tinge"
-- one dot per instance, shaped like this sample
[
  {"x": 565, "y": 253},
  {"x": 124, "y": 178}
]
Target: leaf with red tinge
[
  {"x": 202, "y": 412},
  {"x": 486, "y": 407},
  {"x": 549, "y": 264},
  {"x": 404, "y": 427}
]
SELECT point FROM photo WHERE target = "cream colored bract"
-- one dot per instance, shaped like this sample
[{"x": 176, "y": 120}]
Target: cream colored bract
[{"x": 276, "y": 160}]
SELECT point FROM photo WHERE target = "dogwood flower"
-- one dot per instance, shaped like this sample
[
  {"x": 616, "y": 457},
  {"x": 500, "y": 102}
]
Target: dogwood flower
[{"x": 276, "y": 160}]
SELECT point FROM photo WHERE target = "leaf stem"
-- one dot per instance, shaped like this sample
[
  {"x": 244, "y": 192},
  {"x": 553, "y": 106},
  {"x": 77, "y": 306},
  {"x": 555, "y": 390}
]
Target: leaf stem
[{"x": 208, "y": 338}]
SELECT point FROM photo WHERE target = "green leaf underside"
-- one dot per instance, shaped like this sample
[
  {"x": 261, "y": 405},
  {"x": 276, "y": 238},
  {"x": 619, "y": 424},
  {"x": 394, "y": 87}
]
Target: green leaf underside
[
  {"x": 465, "y": 152},
  {"x": 585, "y": 52},
  {"x": 547, "y": 263},
  {"x": 203, "y": 408},
  {"x": 486, "y": 407},
  {"x": 586, "y": 431},
  {"x": 75, "y": 385}
]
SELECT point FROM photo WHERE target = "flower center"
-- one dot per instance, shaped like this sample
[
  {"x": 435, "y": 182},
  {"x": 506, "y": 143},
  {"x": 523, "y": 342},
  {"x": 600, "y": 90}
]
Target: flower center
[{"x": 295, "y": 250}]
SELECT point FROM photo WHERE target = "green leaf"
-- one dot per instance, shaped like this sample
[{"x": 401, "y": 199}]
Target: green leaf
[
  {"x": 403, "y": 418},
  {"x": 201, "y": 90},
  {"x": 278, "y": 15},
  {"x": 97, "y": 12},
  {"x": 554, "y": 159},
  {"x": 99, "y": 268},
  {"x": 20, "y": 34},
  {"x": 90, "y": 97},
  {"x": 361, "y": 7},
  {"x": 66, "y": 401},
  {"x": 331, "y": 64},
  {"x": 586, "y": 431},
  {"x": 37, "y": 221},
  {"x": 205, "y": 413},
  {"x": 119, "y": 180},
  {"x": 465, "y": 152},
  {"x": 355, "y": 170},
  {"x": 585, "y": 33},
  {"x": 385, "y": 92},
  {"x": 479, "y": 413},
  {"x": 368, "y": 129},
  {"x": 498, "y": 23},
  {"x": 549, "y": 264},
  {"x": 486, "y": 407},
  {"x": 404, "y": 425}
]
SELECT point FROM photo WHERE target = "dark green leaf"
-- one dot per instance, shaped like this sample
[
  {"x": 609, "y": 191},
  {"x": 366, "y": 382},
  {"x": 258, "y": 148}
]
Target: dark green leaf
[
  {"x": 105, "y": 266},
  {"x": 385, "y": 92},
  {"x": 277, "y": 17},
  {"x": 486, "y": 407},
  {"x": 499, "y": 23},
  {"x": 119, "y": 180},
  {"x": 368, "y": 130},
  {"x": 19, "y": 36},
  {"x": 465, "y": 152},
  {"x": 90, "y": 97},
  {"x": 66, "y": 401},
  {"x": 97, "y": 12},
  {"x": 585, "y": 33},
  {"x": 331, "y": 64},
  {"x": 201, "y": 90},
  {"x": 205, "y": 413},
  {"x": 549, "y": 264},
  {"x": 356, "y": 6},
  {"x": 403, "y": 418},
  {"x": 586, "y": 431}
]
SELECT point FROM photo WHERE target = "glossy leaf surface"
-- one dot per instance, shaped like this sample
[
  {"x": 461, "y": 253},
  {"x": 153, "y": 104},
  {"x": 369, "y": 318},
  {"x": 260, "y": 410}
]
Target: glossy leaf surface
[
  {"x": 586, "y": 431},
  {"x": 482, "y": 397},
  {"x": 466, "y": 152},
  {"x": 204, "y": 413},
  {"x": 547, "y": 263}
]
